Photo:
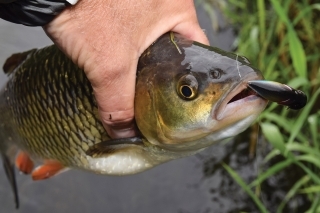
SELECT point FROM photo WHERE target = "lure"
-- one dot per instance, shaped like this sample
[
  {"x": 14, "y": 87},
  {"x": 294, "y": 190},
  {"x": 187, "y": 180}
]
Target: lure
[{"x": 280, "y": 93}]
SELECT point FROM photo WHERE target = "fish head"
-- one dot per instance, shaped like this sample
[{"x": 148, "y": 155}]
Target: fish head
[{"x": 189, "y": 95}]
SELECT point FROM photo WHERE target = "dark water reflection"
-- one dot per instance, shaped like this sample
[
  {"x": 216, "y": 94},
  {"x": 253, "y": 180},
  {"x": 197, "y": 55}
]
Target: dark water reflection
[
  {"x": 226, "y": 193},
  {"x": 192, "y": 185}
]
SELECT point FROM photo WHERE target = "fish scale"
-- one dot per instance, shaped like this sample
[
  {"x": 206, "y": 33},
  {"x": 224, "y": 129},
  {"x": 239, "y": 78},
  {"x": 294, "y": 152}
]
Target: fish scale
[{"x": 45, "y": 104}]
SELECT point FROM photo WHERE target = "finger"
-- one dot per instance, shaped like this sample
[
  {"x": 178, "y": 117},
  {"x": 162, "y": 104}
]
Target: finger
[
  {"x": 188, "y": 25},
  {"x": 114, "y": 91},
  {"x": 192, "y": 31}
]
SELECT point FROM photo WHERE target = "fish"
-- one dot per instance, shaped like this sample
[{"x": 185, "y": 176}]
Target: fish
[
  {"x": 279, "y": 93},
  {"x": 188, "y": 97}
]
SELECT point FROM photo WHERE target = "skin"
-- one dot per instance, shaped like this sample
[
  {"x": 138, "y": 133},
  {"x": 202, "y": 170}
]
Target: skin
[{"x": 106, "y": 39}]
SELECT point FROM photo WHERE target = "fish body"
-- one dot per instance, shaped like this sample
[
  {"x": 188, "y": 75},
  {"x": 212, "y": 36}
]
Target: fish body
[{"x": 188, "y": 97}]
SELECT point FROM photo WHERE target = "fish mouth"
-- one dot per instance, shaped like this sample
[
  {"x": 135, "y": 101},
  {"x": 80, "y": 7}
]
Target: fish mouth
[{"x": 239, "y": 98}]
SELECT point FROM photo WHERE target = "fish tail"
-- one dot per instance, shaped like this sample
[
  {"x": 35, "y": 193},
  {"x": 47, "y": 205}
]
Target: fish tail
[{"x": 10, "y": 173}]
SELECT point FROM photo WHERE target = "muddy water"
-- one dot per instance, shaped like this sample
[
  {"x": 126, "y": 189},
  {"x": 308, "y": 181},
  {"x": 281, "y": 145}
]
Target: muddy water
[{"x": 195, "y": 184}]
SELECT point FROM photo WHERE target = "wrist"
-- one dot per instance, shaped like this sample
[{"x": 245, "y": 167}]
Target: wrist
[
  {"x": 33, "y": 13},
  {"x": 72, "y": 2}
]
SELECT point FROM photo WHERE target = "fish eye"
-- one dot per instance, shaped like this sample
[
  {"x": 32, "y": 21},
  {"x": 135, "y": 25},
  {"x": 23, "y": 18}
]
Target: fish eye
[
  {"x": 215, "y": 74},
  {"x": 187, "y": 87}
]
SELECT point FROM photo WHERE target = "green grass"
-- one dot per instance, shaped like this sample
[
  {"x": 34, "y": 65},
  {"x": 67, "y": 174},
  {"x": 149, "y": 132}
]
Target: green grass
[{"x": 282, "y": 39}]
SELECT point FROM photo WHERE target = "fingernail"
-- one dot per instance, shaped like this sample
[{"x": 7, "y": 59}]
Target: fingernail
[{"x": 122, "y": 133}]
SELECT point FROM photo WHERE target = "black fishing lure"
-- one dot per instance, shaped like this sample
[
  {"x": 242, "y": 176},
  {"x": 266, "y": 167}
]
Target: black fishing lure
[{"x": 280, "y": 93}]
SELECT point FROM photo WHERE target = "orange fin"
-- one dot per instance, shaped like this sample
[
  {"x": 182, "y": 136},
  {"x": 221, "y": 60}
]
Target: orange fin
[
  {"x": 24, "y": 163},
  {"x": 47, "y": 170}
]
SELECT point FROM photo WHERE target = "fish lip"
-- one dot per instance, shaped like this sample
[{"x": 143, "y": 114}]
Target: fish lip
[{"x": 242, "y": 85}]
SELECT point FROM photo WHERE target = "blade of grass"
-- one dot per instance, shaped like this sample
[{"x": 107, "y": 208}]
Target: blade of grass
[
  {"x": 265, "y": 44},
  {"x": 315, "y": 205},
  {"x": 271, "y": 171},
  {"x": 262, "y": 20},
  {"x": 311, "y": 174},
  {"x": 284, "y": 123},
  {"x": 273, "y": 153},
  {"x": 245, "y": 187},
  {"x": 313, "y": 130},
  {"x": 292, "y": 192},
  {"x": 311, "y": 189},
  {"x": 298, "y": 82},
  {"x": 280, "y": 121},
  {"x": 212, "y": 14},
  {"x": 295, "y": 46},
  {"x": 306, "y": 10},
  {"x": 273, "y": 135},
  {"x": 270, "y": 66},
  {"x": 303, "y": 148},
  {"x": 310, "y": 159},
  {"x": 237, "y": 3},
  {"x": 270, "y": 108},
  {"x": 297, "y": 54}
]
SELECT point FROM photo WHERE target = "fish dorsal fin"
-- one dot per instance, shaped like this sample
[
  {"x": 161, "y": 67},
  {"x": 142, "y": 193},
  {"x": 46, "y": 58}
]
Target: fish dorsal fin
[{"x": 15, "y": 60}]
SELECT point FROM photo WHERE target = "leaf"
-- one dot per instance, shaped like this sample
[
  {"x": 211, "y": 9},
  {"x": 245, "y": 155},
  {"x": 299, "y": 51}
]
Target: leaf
[
  {"x": 298, "y": 54},
  {"x": 273, "y": 153},
  {"x": 271, "y": 171},
  {"x": 311, "y": 174},
  {"x": 298, "y": 82},
  {"x": 303, "y": 148},
  {"x": 306, "y": 10},
  {"x": 292, "y": 192},
  {"x": 311, "y": 189},
  {"x": 309, "y": 158},
  {"x": 313, "y": 130},
  {"x": 273, "y": 135},
  {"x": 262, "y": 19},
  {"x": 316, "y": 6},
  {"x": 315, "y": 204},
  {"x": 245, "y": 187}
]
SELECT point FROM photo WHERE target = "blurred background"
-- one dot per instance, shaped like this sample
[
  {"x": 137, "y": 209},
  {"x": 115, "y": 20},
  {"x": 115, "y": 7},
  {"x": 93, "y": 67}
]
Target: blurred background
[{"x": 272, "y": 167}]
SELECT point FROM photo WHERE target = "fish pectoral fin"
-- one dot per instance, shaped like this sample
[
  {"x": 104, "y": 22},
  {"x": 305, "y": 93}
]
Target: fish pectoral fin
[
  {"x": 49, "y": 169},
  {"x": 24, "y": 163},
  {"x": 111, "y": 146},
  {"x": 9, "y": 169}
]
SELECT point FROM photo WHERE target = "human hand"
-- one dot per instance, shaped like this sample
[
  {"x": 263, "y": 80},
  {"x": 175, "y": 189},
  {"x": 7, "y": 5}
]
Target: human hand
[{"x": 106, "y": 38}]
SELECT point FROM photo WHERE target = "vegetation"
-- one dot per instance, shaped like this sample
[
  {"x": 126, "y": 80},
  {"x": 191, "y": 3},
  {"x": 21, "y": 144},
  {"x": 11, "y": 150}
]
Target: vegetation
[{"x": 282, "y": 39}]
